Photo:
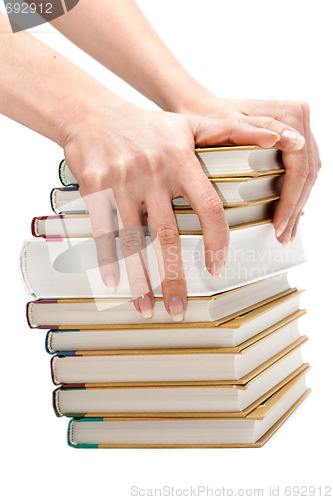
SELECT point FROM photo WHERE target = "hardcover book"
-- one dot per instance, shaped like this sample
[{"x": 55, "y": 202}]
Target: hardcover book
[
  {"x": 233, "y": 192},
  {"x": 119, "y": 312},
  {"x": 163, "y": 400},
  {"x": 176, "y": 336},
  {"x": 253, "y": 430},
  {"x": 70, "y": 267},
  {"x": 219, "y": 161},
  {"x": 78, "y": 225},
  {"x": 154, "y": 365}
]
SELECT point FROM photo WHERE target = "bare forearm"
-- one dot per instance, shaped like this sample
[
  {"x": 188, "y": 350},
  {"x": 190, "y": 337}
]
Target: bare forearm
[
  {"x": 38, "y": 87},
  {"x": 118, "y": 35}
]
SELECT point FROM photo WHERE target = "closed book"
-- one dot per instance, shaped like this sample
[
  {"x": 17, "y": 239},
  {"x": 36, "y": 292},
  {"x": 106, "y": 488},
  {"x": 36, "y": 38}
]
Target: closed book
[
  {"x": 172, "y": 365},
  {"x": 181, "y": 336},
  {"x": 218, "y": 161},
  {"x": 120, "y": 313},
  {"x": 233, "y": 192},
  {"x": 78, "y": 225},
  {"x": 181, "y": 400},
  {"x": 68, "y": 267},
  {"x": 253, "y": 430}
]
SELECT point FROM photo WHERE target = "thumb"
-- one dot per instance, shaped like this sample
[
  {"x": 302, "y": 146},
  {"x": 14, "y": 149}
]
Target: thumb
[{"x": 226, "y": 132}]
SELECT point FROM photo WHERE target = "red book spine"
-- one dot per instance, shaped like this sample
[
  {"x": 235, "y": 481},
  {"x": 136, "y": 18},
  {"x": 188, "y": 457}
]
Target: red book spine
[{"x": 44, "y": 301}]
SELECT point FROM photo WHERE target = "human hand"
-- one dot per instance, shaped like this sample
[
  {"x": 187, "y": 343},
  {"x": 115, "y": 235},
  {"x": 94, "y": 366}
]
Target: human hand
[
  {"x": 140, "y": 160},
  {"x": 289, "y": 119}
]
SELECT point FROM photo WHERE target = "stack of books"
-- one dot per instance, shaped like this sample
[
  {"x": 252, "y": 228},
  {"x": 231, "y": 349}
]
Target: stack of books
[{"x": 228, "y": 375}]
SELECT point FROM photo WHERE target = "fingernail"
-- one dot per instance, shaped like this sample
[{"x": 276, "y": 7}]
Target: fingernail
[
  {"x": 286, "y": 237},
  {"x": 111, "y": 283},
  {"x": 292, "y": 239},
  {"x": 146, "y": 306},
  {"x": 281, "y": 227},
  {"x": 176, "y": 307},
  {"x": 276, "y": 136},
  {"x": 291, "y": 138},
  {"x": 216, "y": 269}
]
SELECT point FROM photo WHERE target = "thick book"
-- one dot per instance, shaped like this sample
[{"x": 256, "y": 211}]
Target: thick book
[
  {"x": 68, "y": 267},
  {"x": 185, "y": 335},
  {"x": 218, "y": 161},
  {"x": 180, "y": 400},
  {"x": 253, "y": 430},
  {"x": 233, "y": 192},
  {"x": 78, "y": 225},
  {"x": 173, "y": 365},
  {"x": 120, "y": 313}
]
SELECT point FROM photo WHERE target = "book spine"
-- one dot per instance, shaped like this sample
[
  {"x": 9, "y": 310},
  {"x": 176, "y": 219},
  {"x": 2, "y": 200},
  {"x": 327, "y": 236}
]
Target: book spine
[
  {"x": 56, "y": 405},
  {"x": 29, "y": 314},
  {"x": 48, "y": 339},
  {"x": 55, "y": 402},
  {"x": 62, "y": 175},
  {"x": 53, "y": 376},
  {"x": 70, "y": 434},
  {"x": 33, "y": 227},
  {"x": 53, "y": 370},
  {"x": 48, "y": 348},
  {"x": 61, "y": 172},
  {"x": 50, "y": 351},
  {"x": 53, "y": 201}
]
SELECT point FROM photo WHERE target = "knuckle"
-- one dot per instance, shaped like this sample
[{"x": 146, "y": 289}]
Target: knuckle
[
  {"x": 139, "y": 283},
  {"x": 180, "y": 148},
  {"x": 175, "y": 281},
  {"x": 105, "y": 260},
  {"x": 143, "y": 159},
  {"x": 303, "y": 172},
  {"x": 312, "y": 176},
  {"x": 293, "y": 112},
  {"x": 182, "y": 155},
  {"x": 236, "y": 123},
  {"x": 102, "y": 234},
  {"x": 131, "y": 240},
  {"x": 122, "y": 167},
  {"x": 270, "y": 123},
  {"x": 212, "y": 204},
  {"x": 167, "y": 234},
  {"x": 305, "y": 108}
]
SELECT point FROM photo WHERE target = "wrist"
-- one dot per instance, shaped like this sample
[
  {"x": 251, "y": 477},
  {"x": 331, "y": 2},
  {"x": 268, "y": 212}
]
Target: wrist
[
  {"x": 89, "y": 103},
  {"x": 188, "y": 99}
]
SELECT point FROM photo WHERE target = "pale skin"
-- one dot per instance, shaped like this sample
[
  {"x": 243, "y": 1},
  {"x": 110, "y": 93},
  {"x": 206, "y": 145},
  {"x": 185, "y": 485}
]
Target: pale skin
[{"x": 141, "y": 159}]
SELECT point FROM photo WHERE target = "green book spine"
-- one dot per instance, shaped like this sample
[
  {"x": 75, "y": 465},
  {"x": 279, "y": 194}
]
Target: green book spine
[
  {"x": 56, "y": 407},
  {"x": 73, "y": 445},
  {"x": 61, "y": 168}
]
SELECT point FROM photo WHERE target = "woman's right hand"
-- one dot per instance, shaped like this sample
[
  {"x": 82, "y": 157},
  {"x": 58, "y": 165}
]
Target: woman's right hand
[{"x": 140, "y": 160}]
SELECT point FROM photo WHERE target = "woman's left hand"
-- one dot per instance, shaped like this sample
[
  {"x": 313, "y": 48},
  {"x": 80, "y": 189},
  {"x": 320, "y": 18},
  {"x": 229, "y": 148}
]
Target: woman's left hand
[{"x": 302, "y": 165}]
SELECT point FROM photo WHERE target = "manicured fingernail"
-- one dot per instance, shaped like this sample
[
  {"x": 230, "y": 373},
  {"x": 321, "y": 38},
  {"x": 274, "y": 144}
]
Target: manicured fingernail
[
  {"x": 176, "y": 307},
  {"x": 292, "y": 239},
  {"x": 216, "y": 269},
  {"x": 146, "y": 306},
  {"x": 111, "y": 283},
  {"x": 291, "y": 138},
  {"x": 286, "y": 237},
  {"x": 267, "y": 142},
  {"x": 281, "y": 227},
  {"x": 276, "y": 136}
]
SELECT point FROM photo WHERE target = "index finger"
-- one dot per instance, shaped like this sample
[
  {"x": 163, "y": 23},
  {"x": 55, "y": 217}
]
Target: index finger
[{"x": 205, "y": 201}]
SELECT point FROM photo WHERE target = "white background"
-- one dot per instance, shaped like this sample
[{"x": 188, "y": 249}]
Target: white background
[{"x": 256, "y": 49}]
